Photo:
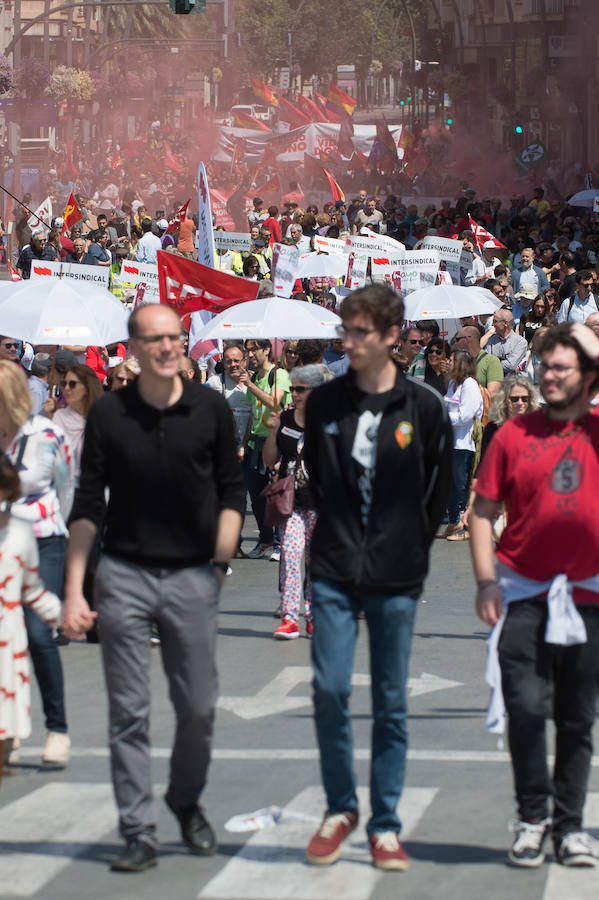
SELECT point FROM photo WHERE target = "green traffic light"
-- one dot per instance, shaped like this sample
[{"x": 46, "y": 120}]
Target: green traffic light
[
  {"x": 408, "y": 99},
  {"x": 450, "y": 121},
  {"x": 518, "y": 129},
  {"x": 402, "y": 102}
]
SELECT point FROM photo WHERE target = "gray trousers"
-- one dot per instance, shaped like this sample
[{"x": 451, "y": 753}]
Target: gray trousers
[{"x": 184, "y": 603}]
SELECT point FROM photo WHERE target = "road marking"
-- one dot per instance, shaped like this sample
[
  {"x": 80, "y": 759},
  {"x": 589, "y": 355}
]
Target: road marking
[
  {"x": 271, "y": 865},
  {"x": 281, "y": 755},
  {"x": 52, "y": 825},
  {"x": 274, "y": 697},
  {"x": 583, "y": 884}
]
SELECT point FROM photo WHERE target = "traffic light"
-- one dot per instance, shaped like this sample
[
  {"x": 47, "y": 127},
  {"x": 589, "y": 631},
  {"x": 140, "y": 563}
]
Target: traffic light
[
  {"x": 449, "y": 121},
  {"x": 184, "y": 7},
  {"x": 518, "y": 129}
]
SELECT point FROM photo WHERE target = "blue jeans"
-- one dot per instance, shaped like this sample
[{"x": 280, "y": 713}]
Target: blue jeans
[
  {"x": 390, "y": 621},
  {"x": 42, "y": 646},
  {"x": 458, "y": 499}
]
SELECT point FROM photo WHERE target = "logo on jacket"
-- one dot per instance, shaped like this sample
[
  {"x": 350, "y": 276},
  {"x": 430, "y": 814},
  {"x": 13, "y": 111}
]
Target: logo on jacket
[{"x": 403, "y": 434}]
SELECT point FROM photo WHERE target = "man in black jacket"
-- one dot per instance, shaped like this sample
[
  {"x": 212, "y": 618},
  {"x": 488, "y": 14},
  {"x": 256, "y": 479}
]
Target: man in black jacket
[
  {"x": 166, "y": 450},
  {"x": 378, "y": 448}
]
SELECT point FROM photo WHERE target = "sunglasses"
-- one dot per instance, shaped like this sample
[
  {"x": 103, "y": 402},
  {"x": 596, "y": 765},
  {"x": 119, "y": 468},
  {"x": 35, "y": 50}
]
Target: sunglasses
[
  {"x": 10, "y": 346},
  {"x": 417, "y": 342},
  {"x": 435, "y": 353},
  {"x": 519, "y": 400},
  {"x": 71, "y": 384},
  {"x": 292, "y": 353},
  {"x": 298, "y": 389}
]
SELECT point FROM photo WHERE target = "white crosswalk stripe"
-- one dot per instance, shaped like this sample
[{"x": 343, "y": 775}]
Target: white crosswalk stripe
[
  {"x": 49, "y": 828},
  {"x": 578, "y": 884},
  {"x": 271, "y": 865}
]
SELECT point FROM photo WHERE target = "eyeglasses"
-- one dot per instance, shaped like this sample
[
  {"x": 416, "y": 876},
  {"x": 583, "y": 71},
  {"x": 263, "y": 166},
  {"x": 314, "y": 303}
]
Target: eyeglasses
[
  {"x": 158, "y": 338},
  {"x": 291, "y": 352},
  {"x": 421, "y": 342},
  {"x": 434, "y": 352},
  {"x": 560, "y": 371},
  {"x": 298, "y": 389},
  {"x": 520, "y": 400},
  {"x": 11, "y": 346},
  {"x": 356, "y": 334},
  {"x": 71, "y": 384}
]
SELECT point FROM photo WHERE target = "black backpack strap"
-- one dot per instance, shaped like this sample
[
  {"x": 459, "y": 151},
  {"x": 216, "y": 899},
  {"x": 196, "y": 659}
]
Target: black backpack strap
[{"x": 21, "y": 453}]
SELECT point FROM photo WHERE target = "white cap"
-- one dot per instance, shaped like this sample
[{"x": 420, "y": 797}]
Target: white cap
[
  {"x": 162, "y": 224},
  {"x": 489, "y": 245},
  {"x": 59, "y": 220}
]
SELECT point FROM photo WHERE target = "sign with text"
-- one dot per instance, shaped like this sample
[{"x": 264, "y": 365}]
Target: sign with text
[
  {"x": 356, "y": 271},
  {"x": 134, "y": 274},
  {"x": 329, "y": 245},
  {"x": 416, "y": 269},
  {"x": 449, "y": 251},
  {"x": 232, "y": 240},
  {"x": 285, "y": 262},
  {"x": 205, "y": 236},
  {"x": 99, "y": 275},
  {"x": 378, "y": 245}
]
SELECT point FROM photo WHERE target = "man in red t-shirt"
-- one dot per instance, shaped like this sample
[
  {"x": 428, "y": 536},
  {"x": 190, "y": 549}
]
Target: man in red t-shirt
[{"x": 544, "y": 467}]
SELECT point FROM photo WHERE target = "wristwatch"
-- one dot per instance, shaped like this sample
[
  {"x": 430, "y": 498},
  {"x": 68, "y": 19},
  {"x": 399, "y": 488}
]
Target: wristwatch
[{"x": 219, "y": 564}]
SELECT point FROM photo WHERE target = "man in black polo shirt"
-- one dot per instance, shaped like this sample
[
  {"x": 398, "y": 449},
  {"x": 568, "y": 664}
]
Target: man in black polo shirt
[{"x": 166, "y": 450}]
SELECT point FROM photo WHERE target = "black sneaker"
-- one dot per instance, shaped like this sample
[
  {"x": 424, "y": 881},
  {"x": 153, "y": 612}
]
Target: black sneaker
[
  {"x": 136, "y": 857},
  {"x": 527, "y": 849},
  {"x": 576, "y": 849},
  {"x": 196, "y": 830}
]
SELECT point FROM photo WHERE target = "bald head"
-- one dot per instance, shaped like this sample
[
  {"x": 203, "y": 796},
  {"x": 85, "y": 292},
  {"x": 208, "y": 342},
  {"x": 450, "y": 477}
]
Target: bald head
[{"x": 468, "y": 338}]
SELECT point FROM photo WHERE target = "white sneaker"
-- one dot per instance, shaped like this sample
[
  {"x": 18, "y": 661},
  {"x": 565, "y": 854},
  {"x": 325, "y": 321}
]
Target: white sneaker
[
  {"x": 527, "y": 849},
  {"x": 275, "y": 556},
  {"x": 576, "y": 849},
  {"x": 57, "y": 748}
]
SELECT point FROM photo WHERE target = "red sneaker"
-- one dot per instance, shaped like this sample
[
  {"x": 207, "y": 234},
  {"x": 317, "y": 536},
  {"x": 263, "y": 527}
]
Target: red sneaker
[
  {"x": 309, "y": 629},
  {"x": 325, "y": 846},
  {"x": 387, "y": 851},
  {"x": 287, "y": 630}
]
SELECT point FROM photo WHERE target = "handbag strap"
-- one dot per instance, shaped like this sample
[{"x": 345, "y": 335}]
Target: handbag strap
[{"x": 21, "y": 452}]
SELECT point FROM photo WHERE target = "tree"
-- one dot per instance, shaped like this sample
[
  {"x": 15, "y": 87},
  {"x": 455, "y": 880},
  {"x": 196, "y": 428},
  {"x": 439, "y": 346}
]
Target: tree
[
  {"x": 70, "y": 84},
  {"x": 7, "y": 76},
  {"x": 33, "y": 76}
]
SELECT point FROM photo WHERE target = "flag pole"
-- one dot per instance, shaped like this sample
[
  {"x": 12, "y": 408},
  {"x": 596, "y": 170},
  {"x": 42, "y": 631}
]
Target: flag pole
[{"x": 24, "y": 205}]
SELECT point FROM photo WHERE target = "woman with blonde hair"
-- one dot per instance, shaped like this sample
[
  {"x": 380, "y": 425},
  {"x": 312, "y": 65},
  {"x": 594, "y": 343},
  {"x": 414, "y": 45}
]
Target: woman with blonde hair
[
  {"x": 123, "y": 374},
  {"x": 289, "y": 356},
  {"x": 37, "y": 447}
]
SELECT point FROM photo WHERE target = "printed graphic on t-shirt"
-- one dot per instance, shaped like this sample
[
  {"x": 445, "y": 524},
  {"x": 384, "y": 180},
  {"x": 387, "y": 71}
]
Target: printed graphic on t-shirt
[
  {"x": 567, "y": 475},
  {"x": 364, "y": 453}
]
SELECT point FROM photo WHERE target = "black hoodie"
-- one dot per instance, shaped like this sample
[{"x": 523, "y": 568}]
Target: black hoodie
[{"x": 409, "y": 493}]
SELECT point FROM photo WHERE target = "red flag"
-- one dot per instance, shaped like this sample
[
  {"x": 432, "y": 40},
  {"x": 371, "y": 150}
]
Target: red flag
[
  {"x": 321, "y": 101},
  {"x": 171, "y": 160},
  {"x": 338, "y": 100},
  {"x": 14, "y": 275},
  {"x": 72, "y": 213},
  {"x": 188, "y": 286},
  {"x": 177, "y": 218},
  {"x": 71, "y": 163},
  {"x": 272, "y": 186},
  {"x": 238, "y": 155},
  {"x": 311, "y": 109},
  {"x": 481, "y": 235},
  {"x": 336, "y": 192},
  {"x": 289, "y": 113},
  {"x": 244, "y": 120}
]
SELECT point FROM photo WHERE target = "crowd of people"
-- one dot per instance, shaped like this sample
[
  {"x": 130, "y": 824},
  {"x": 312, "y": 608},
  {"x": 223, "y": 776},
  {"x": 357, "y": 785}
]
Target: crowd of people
[{"x": 390, "y": 429}]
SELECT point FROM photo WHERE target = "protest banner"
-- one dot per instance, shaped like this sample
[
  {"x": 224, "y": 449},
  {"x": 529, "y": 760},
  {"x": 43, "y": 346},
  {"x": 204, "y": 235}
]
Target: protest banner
[
  {"x": 450, "y": 252},
  {"x": 99, "y": 275},
  {"x": 188, "y": 286},
  {"x": 232, "y": 240},
  {"x": 329, "y": 245},
  {"x": 134, "y": 273},
  {"x": 42, "y": 216},
  {"x": 374, "y": 244},
  {"x": 285, "y": 262},
  {"x": 205, "y": 235},
  {"x": 416, "y": 269},
  {"x": 323, "y": 265},
  {"x": 356, "y": 271}
]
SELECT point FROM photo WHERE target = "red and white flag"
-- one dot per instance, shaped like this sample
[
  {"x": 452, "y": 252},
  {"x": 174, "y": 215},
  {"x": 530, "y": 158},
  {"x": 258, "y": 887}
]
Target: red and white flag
[
  {"x": 42, "y": 215},
  {"x": 177, "y": 218},
  {"x": 481, "y": 235},
  {"x": 188, "y": 286},
  {"x": 14, "y": 275}
]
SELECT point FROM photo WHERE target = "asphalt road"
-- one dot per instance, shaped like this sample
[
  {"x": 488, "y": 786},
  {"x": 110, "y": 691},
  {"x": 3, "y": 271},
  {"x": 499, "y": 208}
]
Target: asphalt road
[{"x": 57, "y": 828}]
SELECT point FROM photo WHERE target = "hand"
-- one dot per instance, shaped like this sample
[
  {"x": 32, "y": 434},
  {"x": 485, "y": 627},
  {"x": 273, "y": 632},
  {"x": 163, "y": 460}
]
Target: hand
[
  {"x": 489, "y": 603},
  {"x": 103, "y": 354},
  {"x": 273, "y": 421},
  {"x": 586, "y": 339},
  {"x": 444, "y": 366},
  {"x": 50, "y": 406},
  {"x": 244, "y": 378},
  {"x": 77, "y": 617}
]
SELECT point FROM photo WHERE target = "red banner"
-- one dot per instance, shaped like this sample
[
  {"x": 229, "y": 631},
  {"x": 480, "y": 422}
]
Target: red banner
[
  {"x": 189, "y": 286},
  {"x": 177, "y": 218},
  {"x": 481, "y": 235},
  {"x": 72, "y": 213}
]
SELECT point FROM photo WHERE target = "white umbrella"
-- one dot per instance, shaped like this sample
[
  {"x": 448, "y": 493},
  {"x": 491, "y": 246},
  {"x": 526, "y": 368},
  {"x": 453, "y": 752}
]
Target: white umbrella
[
  {"x": 61, "y": 311},
  {"x": 318, "y": 265},
  {"x": 271, "y": 317},
  {"x": 450, "y": 301},
  {"x": 584, "y": 198}
]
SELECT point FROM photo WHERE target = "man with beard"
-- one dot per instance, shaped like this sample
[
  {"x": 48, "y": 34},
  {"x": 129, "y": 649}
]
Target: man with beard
[{"x": 544, "y": 596}]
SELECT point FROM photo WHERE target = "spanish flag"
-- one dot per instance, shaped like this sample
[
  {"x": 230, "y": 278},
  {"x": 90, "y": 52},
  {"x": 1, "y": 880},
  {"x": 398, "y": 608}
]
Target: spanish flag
[
  {"x": 336, "y": 192},
  {"x": 338, "y": 100},
  {"x": 263, "y": 91},
  {"x": 244, "y": 120}
]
